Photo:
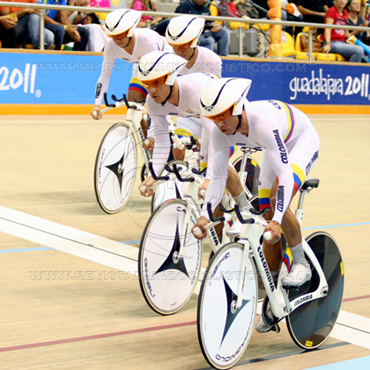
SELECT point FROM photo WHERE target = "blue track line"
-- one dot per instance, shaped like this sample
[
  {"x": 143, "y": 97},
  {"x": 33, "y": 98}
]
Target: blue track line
[{"x": 24, "y": 249}]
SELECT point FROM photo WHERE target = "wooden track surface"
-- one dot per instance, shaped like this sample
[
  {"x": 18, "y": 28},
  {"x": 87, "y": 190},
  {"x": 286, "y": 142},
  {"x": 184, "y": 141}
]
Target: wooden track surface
[{"x": 96, "y": 317}]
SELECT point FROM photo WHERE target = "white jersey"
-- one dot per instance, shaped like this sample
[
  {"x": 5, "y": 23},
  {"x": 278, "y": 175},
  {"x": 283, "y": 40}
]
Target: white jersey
[
  {"x": 146, "y": 41},
  {"x": 207, "y": 62},
  {"x": 190, "y": 88},
  {"x": 290, "y": 145}
]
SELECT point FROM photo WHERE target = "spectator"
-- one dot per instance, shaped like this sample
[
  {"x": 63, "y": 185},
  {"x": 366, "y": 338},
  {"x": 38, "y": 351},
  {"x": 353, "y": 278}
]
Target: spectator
[
  {"x": 27, "y": 29},
  {"x": 313, "y": 11},
  {"x": 356, "y": 14},
  {"x": 90, "y": 21},
  {"x": 335, "y": 39},
  {"x": 213, "y": 32},
  {"x": 64, "y": 31},
  {"x": 145, "y": 5},
  {"x": 7, "y": 31}
]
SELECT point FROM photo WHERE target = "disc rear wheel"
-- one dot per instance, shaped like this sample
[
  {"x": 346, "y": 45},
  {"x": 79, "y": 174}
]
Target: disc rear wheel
[{"x": 310, "y": 324}]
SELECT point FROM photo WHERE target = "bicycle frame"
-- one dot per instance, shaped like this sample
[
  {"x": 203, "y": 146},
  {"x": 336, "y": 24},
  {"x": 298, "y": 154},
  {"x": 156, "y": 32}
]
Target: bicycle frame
[
  {"x": 243, "y": 174},
  {"x": 280, "y": 304},
  {"x": 134, "y": 116}
]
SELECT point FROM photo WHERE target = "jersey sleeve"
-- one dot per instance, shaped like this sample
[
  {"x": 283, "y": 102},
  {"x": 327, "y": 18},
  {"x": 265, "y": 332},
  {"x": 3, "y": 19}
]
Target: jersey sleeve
[
  {"x": 158, "y": 131},
  {"x": 218, "y": 157},
  {"x": 103, "y": 81},
  {"x": 276, "y": 154}
]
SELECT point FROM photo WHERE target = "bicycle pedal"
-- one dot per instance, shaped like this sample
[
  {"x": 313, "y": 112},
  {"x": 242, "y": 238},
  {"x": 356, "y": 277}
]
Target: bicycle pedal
[{"x": 276, "y": 328}]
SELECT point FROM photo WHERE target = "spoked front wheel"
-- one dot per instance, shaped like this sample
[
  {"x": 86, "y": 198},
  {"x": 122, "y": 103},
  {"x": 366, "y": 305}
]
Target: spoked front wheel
[
  {"x": 167, "y": 281},
  {"x": 223, "y": 331},
  {"x": 310, "y": 324},
  {"x": 115, "y": 169}
]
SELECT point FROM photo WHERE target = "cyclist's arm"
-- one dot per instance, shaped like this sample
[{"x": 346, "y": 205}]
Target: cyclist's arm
[
  {"x": 159, "y": 132},
  {"x": 218, "y": 158},
  {"x": 103, "y": 81},
  {"x": 207, "y": 127}
]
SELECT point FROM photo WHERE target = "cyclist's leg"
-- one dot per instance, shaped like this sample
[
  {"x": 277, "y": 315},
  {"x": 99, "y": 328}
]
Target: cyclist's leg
[
  {"x": 303, "y": 156},
  {"x": 272, "y": 252}
]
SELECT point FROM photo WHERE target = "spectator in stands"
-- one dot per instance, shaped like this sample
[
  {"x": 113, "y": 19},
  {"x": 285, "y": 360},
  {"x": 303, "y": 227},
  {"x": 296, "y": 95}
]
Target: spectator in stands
[
  {"x": 145, "y": 5},
  {"x": 213, "y": 32},
  {"x": 313, "y": 11},
  {"x": 64, "y": 31},
  {"x": 7, "y": 31},
  {"x": 27, "y": 29},
  {"x": 90, "y": 21},
  {"x": 356, "y": 15},
  {"x": 335, "y": 39}
]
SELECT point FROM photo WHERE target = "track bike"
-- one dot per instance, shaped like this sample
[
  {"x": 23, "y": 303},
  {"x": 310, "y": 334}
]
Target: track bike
[
  {"x": 170, "y": 257},
  {"x": 227, "y": 301},
  {"x": 169, "y": 254},
  {"x": 116, "y": 161}
]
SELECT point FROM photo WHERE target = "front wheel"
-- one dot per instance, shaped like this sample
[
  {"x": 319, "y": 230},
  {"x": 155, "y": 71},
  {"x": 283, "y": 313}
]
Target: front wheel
[
  {"x": 167, "y": 281},
  {"x": 115, "y": 169},
  {"x": 223, "y": 331},
  {"x": 310, "y": 324}
]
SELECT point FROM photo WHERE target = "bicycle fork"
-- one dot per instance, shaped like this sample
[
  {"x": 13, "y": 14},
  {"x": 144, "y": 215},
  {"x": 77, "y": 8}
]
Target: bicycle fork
[{"x": 134, "y": 116}]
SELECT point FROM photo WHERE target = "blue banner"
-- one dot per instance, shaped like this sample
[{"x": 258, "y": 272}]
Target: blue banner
[
  {"x": 70, "y": 79},
  {"x": 56, "y": 79},
  {"x": 303, "y": 83}
]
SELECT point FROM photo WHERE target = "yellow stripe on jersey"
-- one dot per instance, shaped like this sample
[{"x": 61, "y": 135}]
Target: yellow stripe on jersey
[
  {"x": 290, "y": 118},
  {"x": 183, "y": 132}
]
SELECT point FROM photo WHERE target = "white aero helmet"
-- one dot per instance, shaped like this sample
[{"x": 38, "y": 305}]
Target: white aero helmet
[
  {"x": 158, "y": 68},
  {"x": 224, "y": 97},
  {"x": 121, "y": 23},
  {"x": 184, "y": 29}
]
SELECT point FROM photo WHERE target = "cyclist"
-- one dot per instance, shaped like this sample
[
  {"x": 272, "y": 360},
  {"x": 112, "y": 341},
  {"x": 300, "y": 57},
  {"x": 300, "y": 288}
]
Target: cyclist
[
  {"x": 170, "y": 95},
  {"x": 126, "y": 43},
  {"x": 291, "y": 146},
  {"x": 182, "y": 34}
]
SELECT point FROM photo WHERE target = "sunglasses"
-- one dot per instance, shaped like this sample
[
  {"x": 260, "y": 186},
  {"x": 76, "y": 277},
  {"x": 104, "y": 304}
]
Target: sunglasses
[
  {"x": 184, "y": 46},
  {"x": 120, "y": 36},
  {"x": 156, "y": 82},
  {"x": 223, "y": 115}
]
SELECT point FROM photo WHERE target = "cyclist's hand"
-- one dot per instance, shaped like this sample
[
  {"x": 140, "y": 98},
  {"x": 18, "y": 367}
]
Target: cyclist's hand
[
  {"x": 202, "y": 188},
  {"x": 199, "y": 230},
  {"x": 274, "y": 228},
  {"x": 95, "y": 113},
  {"x": 199, "y": 142},
  {"x": 148, "y": 144},
  {"x": 144, "y": 187}
]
